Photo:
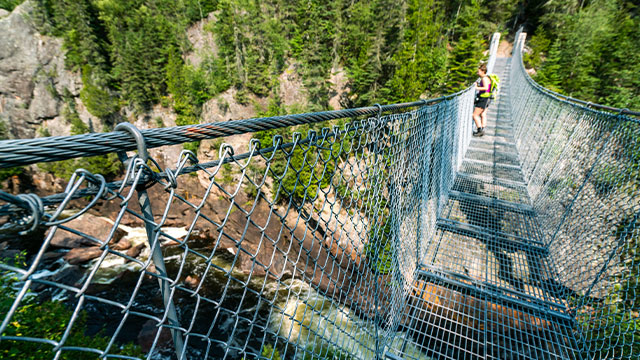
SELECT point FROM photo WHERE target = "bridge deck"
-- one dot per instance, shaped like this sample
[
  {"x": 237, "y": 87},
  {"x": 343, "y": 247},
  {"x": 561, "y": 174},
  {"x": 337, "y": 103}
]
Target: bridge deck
[{"x": 482, "y": 290}]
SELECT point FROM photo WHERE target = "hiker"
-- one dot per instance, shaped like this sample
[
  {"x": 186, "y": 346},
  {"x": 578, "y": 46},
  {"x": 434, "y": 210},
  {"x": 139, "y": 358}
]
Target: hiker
[{"x": 483, "y": 86}]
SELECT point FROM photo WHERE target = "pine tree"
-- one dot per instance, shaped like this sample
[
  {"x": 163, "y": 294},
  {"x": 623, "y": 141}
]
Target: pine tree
[
  {"x": 549, "y": 75},
  {"x": 467, "y": 51},
  {"x": 620, "y": 75},
  {"x": 420, "y": 63},
  {"x": 95, "y": 96}
]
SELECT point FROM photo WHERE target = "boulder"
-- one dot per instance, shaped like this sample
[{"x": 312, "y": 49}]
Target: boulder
[
  {"x": 147, "y": 335},
  {"x": 192, "y": 281},
  {"x": 123, "y": 244},
  {"x": 83, "y": 254},
  {"x": 71, "y": 275},
  {"x": 67, "y": 240},
  {"x": 52, "y": 256},
  {"x": 94, "y": 226},
  {"x": 135, "y": 251}
]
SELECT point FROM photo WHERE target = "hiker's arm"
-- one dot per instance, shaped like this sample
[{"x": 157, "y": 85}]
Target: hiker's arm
[{"x": 485, "y": 84}]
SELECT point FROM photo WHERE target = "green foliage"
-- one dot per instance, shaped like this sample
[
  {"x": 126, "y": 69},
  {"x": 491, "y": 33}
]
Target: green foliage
[
  {"x": 106, "y": 165},
  {"x": 251, "y": 42},
  {"x": 10, "y": 172},
  {"x": 127, "y": 44},
  {"x": 9, "y": 5},
  {"x": 227, "y": 174},
  {"x": 7, "y": 173},
  {"x": 78, "y": 23},
  {"x": 592, "y": 55},
  {"x": 539, "y": 45},
  {"x": 192, "y": 146},
  {"x": 420, "y": 63},
  {"x": 392, "y": 51},
  {"x": 378, "y": 250},
  {"x": 325, "y": 352},
  {"x": 95, "y": 97},
  {"x": 270, "y": 352},
  {"x": 46, "y": 320},
  {"x": 467, "y": 51}
]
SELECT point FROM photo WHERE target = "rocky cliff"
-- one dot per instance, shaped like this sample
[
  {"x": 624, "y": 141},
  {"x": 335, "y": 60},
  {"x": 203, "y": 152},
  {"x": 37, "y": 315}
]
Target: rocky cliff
[{"x": 33, "y": 78}]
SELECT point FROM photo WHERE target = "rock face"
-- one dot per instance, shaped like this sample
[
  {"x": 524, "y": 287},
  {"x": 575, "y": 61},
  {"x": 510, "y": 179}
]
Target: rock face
[{"x": 32, "y": 76}]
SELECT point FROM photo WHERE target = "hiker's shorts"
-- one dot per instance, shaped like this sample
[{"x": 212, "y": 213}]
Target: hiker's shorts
[{"x": 482, "y": 102}]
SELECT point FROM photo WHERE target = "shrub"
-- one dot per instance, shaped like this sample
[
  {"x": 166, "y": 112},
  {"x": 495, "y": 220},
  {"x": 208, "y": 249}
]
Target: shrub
[
  {"x": 9, "y": 5},
  {"x": 378, "y": 250},
  {"x": 47, "y": 320}
]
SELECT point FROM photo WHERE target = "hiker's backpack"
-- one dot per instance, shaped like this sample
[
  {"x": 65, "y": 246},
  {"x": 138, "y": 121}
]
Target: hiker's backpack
[{"x": 495, "y": 85}]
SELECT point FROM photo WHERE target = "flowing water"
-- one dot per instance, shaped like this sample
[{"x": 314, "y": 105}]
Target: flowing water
[{"x": 242, "y": 307}]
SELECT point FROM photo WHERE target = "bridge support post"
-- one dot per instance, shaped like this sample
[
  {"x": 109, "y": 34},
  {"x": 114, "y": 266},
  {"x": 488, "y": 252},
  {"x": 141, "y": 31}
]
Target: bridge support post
[
  {"x": 154, "y": 241},
  {"x": 493, "y": 52}
]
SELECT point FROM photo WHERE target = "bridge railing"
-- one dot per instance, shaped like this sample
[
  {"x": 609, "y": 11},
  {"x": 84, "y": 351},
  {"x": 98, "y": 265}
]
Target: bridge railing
[
  {"x": 304, "y": 246},
  {"x": 580, "y": 161}
]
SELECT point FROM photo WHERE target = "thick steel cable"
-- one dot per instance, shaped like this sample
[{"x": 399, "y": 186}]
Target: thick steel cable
[
  {"x": 21, "y": 152},
  {"x": 14, "y": 204},
  {"x": 568, "y": 99}
]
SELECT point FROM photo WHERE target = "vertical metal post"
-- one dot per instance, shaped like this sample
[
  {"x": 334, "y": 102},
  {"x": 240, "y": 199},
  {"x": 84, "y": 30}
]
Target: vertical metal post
[
  {"x": 152, "y": 235},
  {"x": 158, "y": 262},
  {"x": 493, "y": 52},
  {"x": 377, "y": 274}
]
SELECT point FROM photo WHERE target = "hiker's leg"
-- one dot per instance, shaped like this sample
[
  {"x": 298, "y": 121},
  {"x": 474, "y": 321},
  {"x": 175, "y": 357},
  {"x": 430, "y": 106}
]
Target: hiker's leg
[
  {"x": 477, "y": 113},
  {"x": 483, "y": 117}
]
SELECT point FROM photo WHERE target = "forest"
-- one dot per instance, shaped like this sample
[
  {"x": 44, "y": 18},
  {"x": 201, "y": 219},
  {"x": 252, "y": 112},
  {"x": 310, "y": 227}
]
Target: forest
[{"x": 130, "y": 52}]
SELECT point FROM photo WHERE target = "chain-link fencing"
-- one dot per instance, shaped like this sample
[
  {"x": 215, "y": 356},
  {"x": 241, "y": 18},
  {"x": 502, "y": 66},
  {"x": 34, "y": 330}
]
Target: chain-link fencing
[
  {"x": 582, "y": 166},
  {"x": 303, "y": 247}
]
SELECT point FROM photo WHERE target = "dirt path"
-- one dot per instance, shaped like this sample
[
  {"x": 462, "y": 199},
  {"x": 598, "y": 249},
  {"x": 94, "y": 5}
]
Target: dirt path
[{"x": 505, "y": 48}]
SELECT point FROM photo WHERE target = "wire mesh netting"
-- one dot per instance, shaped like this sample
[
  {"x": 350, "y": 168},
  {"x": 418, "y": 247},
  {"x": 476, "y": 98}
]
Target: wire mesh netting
[
  {"x": 394, "y": 236},
  {"x": 534, "y": 254},
  {"x": 306, "y": 246},
  {"x": 581, "y": 166}
]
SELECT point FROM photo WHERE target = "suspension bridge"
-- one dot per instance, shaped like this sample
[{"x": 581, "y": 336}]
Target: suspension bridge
[{"x": 394, "y": 235}]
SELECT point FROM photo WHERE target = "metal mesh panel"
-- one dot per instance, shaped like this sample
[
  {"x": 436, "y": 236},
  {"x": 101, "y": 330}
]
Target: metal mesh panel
[
  {"x": 581, "y": 169},
  {"x": 306, "y": 249}
]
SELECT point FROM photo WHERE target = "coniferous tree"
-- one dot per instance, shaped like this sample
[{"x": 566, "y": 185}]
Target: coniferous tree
[
  {"x": 549, "y": 74},
  {"x": 420, "y": 63},
  {"x": 467, "y": 51},
  {"x": 620, "y": 74}
]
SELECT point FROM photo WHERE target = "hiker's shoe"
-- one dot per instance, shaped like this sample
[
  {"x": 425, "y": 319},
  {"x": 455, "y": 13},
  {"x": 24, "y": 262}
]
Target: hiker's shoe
[{"x": 479, "y": 132}]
